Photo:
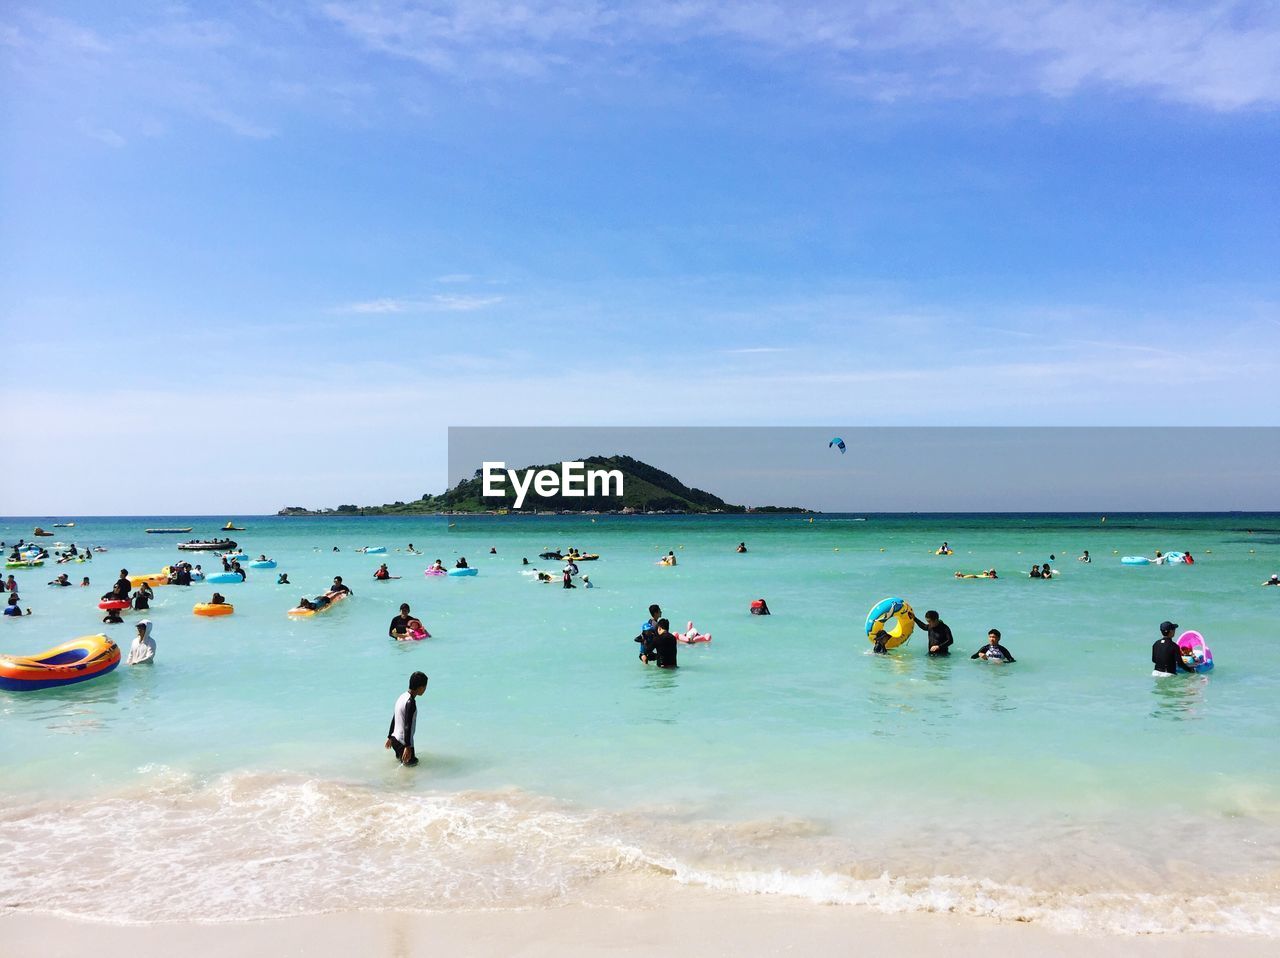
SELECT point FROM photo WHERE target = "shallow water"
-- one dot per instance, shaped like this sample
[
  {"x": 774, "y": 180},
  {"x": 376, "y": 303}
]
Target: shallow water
[{"x": 1068, "y": 788}]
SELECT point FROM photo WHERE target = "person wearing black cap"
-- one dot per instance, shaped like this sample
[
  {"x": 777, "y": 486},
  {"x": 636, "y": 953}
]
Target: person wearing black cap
[
  {"x": 404, "y": 721},
  {"x": 1165, "y": 654}
]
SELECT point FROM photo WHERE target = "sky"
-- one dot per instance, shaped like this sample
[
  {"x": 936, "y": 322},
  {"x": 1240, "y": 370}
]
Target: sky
[{"x": 255, "y": 254}]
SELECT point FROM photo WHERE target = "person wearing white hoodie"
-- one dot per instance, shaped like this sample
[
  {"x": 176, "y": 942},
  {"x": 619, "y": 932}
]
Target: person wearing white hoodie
[{"x": 144, "y": 646}]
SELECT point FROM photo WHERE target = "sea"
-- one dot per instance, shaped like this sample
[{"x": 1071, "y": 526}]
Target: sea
[{"x": 243, "y": 774}]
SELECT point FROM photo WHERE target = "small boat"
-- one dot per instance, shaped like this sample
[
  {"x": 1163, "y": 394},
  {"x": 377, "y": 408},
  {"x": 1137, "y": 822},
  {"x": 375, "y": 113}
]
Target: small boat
[
  {"x": 160, "y": 532},
  {"x": 79, "y": 660},
  {"x": 208, "y": 545},
  {"x": 229, "y": 527},
  {"x": 585, "y": 557},
  {"x": 64, "y": 525}
]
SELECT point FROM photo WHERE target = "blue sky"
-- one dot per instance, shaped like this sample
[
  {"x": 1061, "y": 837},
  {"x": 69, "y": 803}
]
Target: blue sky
[{"x": 265, "y": 253}]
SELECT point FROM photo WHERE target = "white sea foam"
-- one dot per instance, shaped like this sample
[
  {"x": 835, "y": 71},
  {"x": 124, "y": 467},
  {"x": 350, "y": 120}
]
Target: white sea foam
[{"x": 248, "y": 846}]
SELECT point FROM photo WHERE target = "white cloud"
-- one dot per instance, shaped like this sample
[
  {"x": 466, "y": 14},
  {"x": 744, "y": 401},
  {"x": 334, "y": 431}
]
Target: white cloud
[
  {"x": 442, "y": 302},
  {"x": 1224, "y": 56}
]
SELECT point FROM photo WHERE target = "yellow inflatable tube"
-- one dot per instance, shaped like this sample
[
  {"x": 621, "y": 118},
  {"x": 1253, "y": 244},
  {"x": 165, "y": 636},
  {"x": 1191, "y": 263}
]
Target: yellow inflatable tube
[{"x": 210, "y": 609}]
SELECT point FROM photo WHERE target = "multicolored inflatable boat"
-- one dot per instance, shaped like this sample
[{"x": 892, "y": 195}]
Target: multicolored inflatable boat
[{"x": 79, "y": 660}]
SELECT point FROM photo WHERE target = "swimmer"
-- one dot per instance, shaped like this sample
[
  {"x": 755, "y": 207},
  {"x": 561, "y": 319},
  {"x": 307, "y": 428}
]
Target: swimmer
[
  {"x": 404, "y": 721},
  {"x": 493, "y": 550},
  {"x": 399, "y": 628},
  {"x": 760, "y": 607},
  {"x": 461, "y": 563},
  {"x": 940, "y": 638},
  {"x": 84, "y": 583},
  {"x": 382, "y": 572},
  {"x": 1274, "y": 580},
  {"x": 1166, "y": 657},
  {"x": 437, "y": 566},
  {"x": 111, "y": 618},
  {"x": 664, "y": 645},
  {"x": 283, "y": 579},
  {"x": 586, "y": 582},
  {"x": 1084, "y": 557},
  {"x": 742, "y": 547},
  {"x": 524, "y": 560},
  {"x": 305, "y": 603},
  {"x": 218, "y": 599},
  {"x": 12, "y": 608},
  {"x": 143, "y": 649},
  {"x": 1036, "y": 573},
  {"x": 993, "y": 651},
  {"x": 338, "y": 588},
  {"x": 63, "y": 579}
]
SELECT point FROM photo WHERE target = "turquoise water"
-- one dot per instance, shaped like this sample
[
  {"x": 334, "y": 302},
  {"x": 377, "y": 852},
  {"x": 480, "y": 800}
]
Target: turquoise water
[{"x": 243, "y": 775}]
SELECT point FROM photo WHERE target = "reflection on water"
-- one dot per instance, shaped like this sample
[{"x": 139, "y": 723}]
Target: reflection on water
[{"x": 1179, "y": 697}]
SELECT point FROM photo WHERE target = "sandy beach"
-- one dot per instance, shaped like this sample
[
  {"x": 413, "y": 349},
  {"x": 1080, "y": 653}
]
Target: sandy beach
[{"x": 689, "y": 923}]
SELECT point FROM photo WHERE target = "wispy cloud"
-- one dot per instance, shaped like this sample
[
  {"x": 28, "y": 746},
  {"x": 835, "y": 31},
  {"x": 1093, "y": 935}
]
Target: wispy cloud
[
  {"x": 757, "y": 350},
  {"x": 443, "y": 302},
  {"x": 1225, "y": 56}
]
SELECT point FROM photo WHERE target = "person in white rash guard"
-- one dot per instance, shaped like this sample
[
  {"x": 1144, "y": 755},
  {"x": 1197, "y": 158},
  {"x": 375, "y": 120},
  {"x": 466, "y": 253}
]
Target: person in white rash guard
[
  {"x": 404, "y": 721},
  {"x": 144, "y": 646}
]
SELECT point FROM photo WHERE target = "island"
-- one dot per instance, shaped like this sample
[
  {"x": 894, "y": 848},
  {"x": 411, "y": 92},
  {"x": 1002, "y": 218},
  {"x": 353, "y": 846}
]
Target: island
[{"x": 647, "y": 490}]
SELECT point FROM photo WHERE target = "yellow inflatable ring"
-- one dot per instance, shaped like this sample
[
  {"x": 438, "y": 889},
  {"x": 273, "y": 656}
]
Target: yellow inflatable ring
[{"x": 893, "y": 617}]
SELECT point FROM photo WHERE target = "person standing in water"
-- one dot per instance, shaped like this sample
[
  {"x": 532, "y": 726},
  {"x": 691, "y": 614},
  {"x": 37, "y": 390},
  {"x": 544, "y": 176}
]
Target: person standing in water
[
  {"x": 940, "y": 638},
  {"x": 1166, "y": 657},
  {"x": 399, "y": 628},
  {"x": 993, "y": 651},
  {"x": 404, "y": 721},
  {"x": 665, "y": 645},
  {"x": 143, "y": 649}
]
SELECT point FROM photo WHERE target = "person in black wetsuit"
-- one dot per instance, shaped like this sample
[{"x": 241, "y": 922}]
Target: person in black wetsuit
[
  {"x": 665, "y": 645},
  {"x": 399, "y": 627},
  {"x": 1166, "y": 657},
  {"x": 993, "y": 651},
  {"x": 142, "y": 598},
  {"x": 338, "y": 588},
  {"x": 940, "y": 638},
  {"x": 649, "y": 634}
]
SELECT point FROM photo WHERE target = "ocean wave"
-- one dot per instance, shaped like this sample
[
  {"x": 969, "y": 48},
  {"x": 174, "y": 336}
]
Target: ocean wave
[{"x": 255, "y": 846}]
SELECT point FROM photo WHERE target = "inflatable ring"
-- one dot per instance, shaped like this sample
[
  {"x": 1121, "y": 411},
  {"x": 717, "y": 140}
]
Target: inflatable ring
[
  {"x": 220, "y": 578},
  {"x": 79, "y": 660},
  {"x": 467, "y": 571},
  {"x": 262, "y": 564},
  {"x": 212, "y": 609},
  {"x": 151, "y": 578},
  {"x": 115, "y": 604},
  {"x": 893, "y": 617}
]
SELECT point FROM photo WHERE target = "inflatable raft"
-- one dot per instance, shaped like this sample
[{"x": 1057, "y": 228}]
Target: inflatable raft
[
  {"x": 303, "y": 613},
  {"x": 262, "y": 564},
  {"x": 464, "y": 572},
  {"x": 79, "y": 660},
  {"x": 223, "y": 577},
  {"x": 1195, "y": 654}
]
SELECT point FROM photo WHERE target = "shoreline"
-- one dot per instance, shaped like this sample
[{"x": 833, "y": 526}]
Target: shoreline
[{"x": 686, "y": 923}]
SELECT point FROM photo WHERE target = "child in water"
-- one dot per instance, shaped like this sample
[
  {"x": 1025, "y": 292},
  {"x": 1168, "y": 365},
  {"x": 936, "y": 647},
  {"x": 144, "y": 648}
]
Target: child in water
[{"x": 993, "y": 651}]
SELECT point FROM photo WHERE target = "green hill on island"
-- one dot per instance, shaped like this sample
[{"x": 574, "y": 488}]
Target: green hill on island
[{"x": 645, "y": 489}]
